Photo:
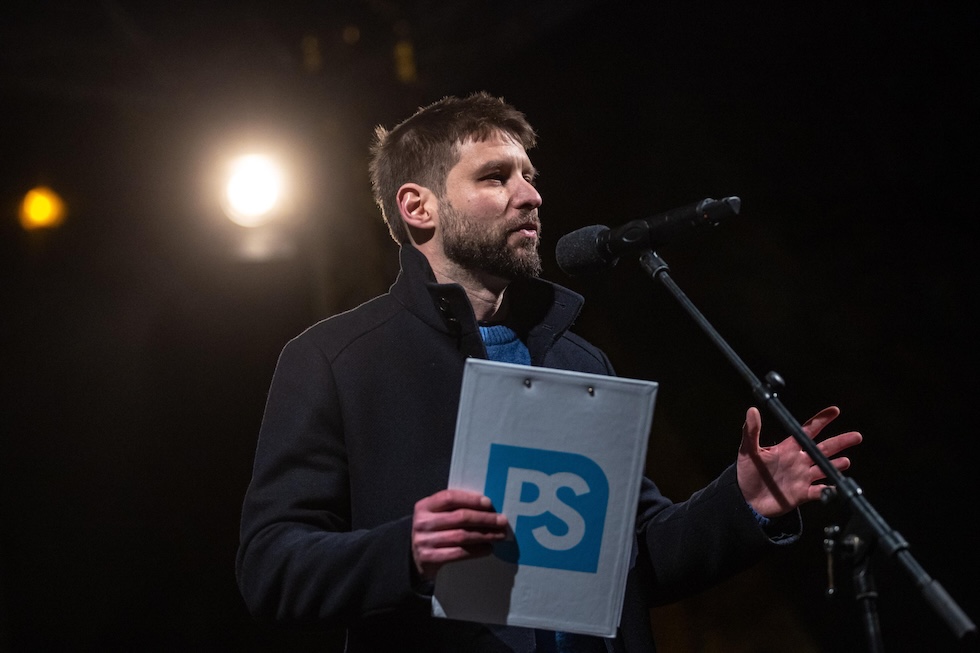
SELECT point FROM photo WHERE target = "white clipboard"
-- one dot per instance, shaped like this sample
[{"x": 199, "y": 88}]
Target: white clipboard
[{"x": 562, "y": 455}]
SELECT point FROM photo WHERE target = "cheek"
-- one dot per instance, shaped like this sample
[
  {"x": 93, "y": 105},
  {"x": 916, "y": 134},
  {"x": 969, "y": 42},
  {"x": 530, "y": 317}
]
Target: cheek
[{"x": 485, "y": 206}]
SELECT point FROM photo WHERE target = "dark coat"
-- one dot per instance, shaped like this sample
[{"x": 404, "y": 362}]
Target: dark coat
[{"x": 359, "y": 426}]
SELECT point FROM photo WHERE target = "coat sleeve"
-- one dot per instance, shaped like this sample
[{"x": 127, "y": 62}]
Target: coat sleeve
[
  {"x": 298, "y": 559},
  {"x": 689, "y": 546}
]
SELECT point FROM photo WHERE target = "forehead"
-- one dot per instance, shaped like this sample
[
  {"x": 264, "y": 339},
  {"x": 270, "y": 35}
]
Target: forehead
[{"x": 497, "y": 147}]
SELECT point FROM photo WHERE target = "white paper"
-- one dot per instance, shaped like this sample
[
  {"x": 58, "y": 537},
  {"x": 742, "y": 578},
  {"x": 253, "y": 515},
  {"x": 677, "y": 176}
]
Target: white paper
[{"x": 562, "y": 455}]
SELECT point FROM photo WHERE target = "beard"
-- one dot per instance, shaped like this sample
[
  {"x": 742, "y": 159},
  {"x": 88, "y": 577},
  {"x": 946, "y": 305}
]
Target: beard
[{"x": 486, "y": 247}]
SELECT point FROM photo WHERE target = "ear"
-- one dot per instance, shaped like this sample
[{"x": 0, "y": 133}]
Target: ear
[{"x": 417, "y": 206}]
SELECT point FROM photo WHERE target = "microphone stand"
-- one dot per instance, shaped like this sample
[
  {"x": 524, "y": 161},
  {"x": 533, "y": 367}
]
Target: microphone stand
[{"x": 868, "y": 529}]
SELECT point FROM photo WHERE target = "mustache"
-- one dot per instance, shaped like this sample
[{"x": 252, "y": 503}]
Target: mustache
[{"x": 526, "y": 219}]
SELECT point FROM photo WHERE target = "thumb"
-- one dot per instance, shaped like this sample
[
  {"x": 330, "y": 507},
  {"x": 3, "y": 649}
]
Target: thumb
[{"x": 751, "y": 430}]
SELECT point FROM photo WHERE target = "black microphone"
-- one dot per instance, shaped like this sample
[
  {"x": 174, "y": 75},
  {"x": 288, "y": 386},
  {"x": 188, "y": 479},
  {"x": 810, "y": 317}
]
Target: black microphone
[{"x": 595, "y": 248}]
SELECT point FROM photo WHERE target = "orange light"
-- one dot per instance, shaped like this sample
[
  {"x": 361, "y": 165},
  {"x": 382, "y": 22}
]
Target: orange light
[
  {"x": 351, "y": 34},
  {"x": 42, "y": 208},
  {"x": 405, "y": 62}
]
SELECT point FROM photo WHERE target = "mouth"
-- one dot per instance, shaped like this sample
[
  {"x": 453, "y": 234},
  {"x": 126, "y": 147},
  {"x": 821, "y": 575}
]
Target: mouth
[{"x": 528, "y": 229}]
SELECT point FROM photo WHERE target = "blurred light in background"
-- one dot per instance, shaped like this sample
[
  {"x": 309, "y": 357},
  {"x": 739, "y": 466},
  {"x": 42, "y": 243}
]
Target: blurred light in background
[
  {"x": 351, "y": 34},
  {"x": 253, "y": 190},
  {"x": 405, "y": 62},
  {"x": 42, "y": 208},
  {"x": 312, "y": 57},
  {"x": 254, "y": 196}
]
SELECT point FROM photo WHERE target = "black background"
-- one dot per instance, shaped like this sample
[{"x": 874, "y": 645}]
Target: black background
[{"x": 138, "y": 346}]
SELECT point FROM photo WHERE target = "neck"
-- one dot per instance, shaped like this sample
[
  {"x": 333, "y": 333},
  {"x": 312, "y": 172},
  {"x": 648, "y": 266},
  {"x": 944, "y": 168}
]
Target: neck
[{"x": 486, "y": 292}]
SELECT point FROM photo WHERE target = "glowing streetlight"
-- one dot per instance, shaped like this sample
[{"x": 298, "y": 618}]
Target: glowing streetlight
[
  {"x": 42, "y": 208},
  {"x": 253, "y": 190}
]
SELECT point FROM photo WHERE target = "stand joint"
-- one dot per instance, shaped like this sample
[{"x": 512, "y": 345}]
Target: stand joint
[{"x": 770, "y": 388}]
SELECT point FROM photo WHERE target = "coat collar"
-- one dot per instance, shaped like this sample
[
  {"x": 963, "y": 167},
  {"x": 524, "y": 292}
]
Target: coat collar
[{"x": 545, "y": 310}]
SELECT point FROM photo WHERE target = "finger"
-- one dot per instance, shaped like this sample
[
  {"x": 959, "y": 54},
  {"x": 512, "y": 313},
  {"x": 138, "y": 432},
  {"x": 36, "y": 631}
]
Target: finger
[
  {"x": 834, "y": 445},
  {"x": 453, "y": 499},
  {"x": 840, "y": 464},
  {"x": 432, "y": 550},
  {"x": 466, "y": 552},
  {"x": 436, "y": 557},
  {"x": 751, "y": 429},
  {"x": 814, "y": 492},
  {"x": 460, "y": 537},
  {"x": 815, "y": 424},
  {"x": 476, "y": 520},
  {"x": 428, "y": 560}
]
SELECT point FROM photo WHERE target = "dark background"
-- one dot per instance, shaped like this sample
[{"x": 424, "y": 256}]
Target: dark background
[{"x": 138, "y": 346}]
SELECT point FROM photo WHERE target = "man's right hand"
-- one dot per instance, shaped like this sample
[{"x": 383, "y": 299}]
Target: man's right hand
[{"x": 453, "y": 525}]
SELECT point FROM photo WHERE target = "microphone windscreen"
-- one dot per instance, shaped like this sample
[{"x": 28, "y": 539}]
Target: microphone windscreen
[{"x": 577, "y": 253}]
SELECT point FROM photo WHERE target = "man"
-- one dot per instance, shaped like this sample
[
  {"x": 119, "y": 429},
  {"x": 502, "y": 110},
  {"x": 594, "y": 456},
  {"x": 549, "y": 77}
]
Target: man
[{"x": 347, "y": 519}]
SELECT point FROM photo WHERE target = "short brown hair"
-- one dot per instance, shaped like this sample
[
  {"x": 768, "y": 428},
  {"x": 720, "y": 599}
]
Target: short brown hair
[{"x": 424, "y": 148}]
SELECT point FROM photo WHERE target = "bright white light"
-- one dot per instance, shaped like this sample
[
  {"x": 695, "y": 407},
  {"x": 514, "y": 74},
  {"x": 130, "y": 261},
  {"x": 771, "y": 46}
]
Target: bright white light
[{"x": 253, "y": 189}]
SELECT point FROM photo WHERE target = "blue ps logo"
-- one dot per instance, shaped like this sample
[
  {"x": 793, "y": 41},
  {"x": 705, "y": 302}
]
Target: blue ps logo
[{"x": 556, "y": 503}]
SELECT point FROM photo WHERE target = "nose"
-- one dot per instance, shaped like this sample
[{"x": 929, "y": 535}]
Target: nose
[{"x": 527, "y": 196}]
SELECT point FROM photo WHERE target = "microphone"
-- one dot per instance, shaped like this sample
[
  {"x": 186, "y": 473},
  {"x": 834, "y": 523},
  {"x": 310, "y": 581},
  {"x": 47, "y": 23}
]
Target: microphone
[{"x": 595, "y": 248}]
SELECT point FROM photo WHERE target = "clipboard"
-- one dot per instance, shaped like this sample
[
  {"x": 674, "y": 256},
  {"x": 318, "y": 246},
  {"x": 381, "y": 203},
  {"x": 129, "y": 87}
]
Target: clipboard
[{"x": 562, "y": 455}]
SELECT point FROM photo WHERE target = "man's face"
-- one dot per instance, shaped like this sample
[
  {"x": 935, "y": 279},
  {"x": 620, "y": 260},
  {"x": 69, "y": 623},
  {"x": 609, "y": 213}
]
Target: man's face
[{"x": 489, "y": 215}]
